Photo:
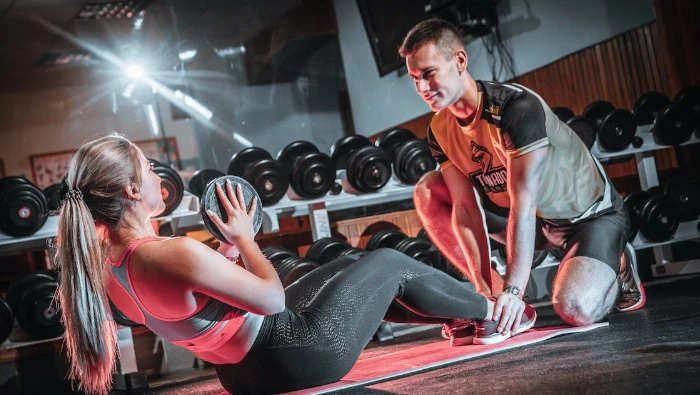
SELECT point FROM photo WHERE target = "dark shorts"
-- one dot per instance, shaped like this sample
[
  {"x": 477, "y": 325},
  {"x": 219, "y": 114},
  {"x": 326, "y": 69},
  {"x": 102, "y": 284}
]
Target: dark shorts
[{"x": 602, "y": 238}]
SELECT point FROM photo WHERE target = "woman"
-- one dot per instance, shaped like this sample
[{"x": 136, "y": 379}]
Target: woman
[{"x": 238, "y": 318}]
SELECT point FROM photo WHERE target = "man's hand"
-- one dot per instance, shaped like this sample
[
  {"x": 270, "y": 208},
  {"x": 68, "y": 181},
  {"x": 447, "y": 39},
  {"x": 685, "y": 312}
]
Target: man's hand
[{"x": 508, "y": 311}]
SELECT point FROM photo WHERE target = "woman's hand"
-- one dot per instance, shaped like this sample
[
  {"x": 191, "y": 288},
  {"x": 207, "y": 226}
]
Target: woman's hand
[{"x": 239, "y": 226}]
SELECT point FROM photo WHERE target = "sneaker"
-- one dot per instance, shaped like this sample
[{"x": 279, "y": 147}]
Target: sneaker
[
  {"x": 487, "y": 333},
  {"x": 632, "y": 295},
  {"x": 458, "y": 332}
]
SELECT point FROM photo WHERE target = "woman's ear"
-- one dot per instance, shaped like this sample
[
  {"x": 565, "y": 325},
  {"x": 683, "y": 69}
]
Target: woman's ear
[{"x": 132, "y": 192}]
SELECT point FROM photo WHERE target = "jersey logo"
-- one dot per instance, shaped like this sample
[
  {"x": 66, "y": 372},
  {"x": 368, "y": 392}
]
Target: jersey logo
[
  {"x": 491, "y": 180},
  {"x": 493, "y": 109}
]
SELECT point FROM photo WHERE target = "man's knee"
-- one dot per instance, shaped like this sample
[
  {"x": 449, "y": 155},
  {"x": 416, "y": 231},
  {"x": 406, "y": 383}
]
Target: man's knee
[
  {"x": 430, "y": 189},
  {"x": 574, "y": 310}
]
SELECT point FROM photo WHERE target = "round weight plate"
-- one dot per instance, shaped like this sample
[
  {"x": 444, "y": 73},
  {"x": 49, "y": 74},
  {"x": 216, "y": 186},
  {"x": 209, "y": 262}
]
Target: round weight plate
[
  {"x": 292, "y": 151},
  {"x": 422, "y": 234},
  {"x": 120, "y": 318},
  {"x": 648, "y": 105},
  {"x": 23, "y": 210},
  {"x": 52, "y": 193},
  {"x": 690, "y": 95},
  {"x": 210, "y": 201},
  {"x": 673, "y": 125},
  {"x": 633, "y": 203},
  {"x": 686, "y": 196},
  {"x": 369, "y": 169},
  {"x": 25, "y": 281},
  {"x": 660, "y": 218},
  {"x": 421, "y": 250},
  {"x": 387, "y": 238},
  {"x": 326, "y": 249},
  {"x": 38, "y": 313},
  {"x": 390, "y": 140},
  {"x": 412, "y": 160},
  {"x": 171, "y": 186},
  {"x": 270, "y": 179},
  {"x": 563, "y": 113},
  {"x": 598, "y": 110},
  {"x": 585, "y": 128},
  {"x": 617, "y": 131},
  {"x": 7, "y": 320},
  {"x": 201, "y": 178},
  {"x": 298, "y": 270},
  {"x": 344, "y": 147},
  {"x": 276, "y": 254},
  {"x": 313, "y": 175},
  {"x": 244, "y": 159}
]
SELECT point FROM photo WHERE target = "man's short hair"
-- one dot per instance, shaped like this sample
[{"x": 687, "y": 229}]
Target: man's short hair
[{"x": 443, "y": 34}]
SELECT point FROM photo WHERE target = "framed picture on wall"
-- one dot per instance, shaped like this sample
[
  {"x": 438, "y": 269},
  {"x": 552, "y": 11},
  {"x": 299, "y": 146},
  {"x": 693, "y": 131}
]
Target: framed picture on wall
[{"x": 50, "y": 168}]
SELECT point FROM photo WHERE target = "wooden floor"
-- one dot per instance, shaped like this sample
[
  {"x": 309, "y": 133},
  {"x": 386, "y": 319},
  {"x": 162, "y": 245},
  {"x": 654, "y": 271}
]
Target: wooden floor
[{"x": 652, "y": 350}]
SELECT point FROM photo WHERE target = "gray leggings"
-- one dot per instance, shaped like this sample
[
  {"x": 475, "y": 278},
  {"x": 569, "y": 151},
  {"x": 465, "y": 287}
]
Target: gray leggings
[{"x": 332, "y": 314}]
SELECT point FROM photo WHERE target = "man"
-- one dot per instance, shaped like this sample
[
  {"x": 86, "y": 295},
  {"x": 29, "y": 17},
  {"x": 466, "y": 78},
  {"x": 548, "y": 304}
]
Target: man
[{"x": 509, "y": 167}]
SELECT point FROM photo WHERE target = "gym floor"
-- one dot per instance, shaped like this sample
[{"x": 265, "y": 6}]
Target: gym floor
[{"x": 652, "y": 350}]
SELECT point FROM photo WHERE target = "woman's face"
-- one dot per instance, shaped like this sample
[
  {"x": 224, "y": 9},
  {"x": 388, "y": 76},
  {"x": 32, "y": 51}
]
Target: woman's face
[{"x": 151, "y": 193}]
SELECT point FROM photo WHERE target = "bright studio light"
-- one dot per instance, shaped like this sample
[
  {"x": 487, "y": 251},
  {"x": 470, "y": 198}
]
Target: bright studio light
[{"x": 135, "y": 71}]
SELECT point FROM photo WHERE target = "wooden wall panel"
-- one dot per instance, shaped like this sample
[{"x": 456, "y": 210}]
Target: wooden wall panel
[{"x": 618, "y": 70}]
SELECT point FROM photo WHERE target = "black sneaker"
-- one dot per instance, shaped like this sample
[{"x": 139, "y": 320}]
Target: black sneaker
[
  {"x": 458, "y": 332},
  {"x": 632, "y": 295},
  {"x": 487, "y": 333}
]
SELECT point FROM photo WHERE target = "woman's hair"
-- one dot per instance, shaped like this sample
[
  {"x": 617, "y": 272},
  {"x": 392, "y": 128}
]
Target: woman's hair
[
  {"x": 96, "y": 179},
  {"x": 443, "y": 34}
]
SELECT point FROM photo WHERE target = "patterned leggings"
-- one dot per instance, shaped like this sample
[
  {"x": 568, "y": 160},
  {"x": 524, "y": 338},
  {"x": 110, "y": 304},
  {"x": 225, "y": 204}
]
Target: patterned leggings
[{"x": 332, "y": 313}]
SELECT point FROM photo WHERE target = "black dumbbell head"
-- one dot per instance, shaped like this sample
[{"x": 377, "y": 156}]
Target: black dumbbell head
[
  {"x": 598, "y": 110},
  {"x": 690, "y": 95},
  {"x": 312, "y": 173},
  {"x": 648, "y": 105},
  {"x": 585, "y": 128},
  {"x": 674, "y": 125},
  {"x": 660, "y": 218},
  {"x": 172, "y": 189},
  {"x": 617, "y": 130},
  {"x": 38, "y": 311},
  {"x": 243, "y": 159},
  {"x": 412, "y": 160},
  {"x": 369, "y": 169},
  {"x": 201, "y": 178},
  {"x": 344, "y": 147},
  {"x": 685, "y": 194},
  {"x": 292, "y": 151},
  {"x": 53, "y": 196},
  {"x": 23, "y": 207},
  {"x": 391, "y": 139},
  {"x": 563, "y": 113},
  {"x": 210, "y": 201},
  {"x": 386, "y": 238},
  {"x": 326, "y": 249}
]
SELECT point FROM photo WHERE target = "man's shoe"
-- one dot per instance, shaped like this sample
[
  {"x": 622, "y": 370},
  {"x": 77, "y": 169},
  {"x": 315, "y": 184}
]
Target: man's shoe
[
  {"x": 458, "y": 332},
  {"x": 632, "y": 295},
  {"x": 487, "y": 333}
]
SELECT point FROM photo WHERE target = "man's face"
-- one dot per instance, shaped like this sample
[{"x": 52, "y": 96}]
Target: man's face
[{"x": 436, "y": 78}]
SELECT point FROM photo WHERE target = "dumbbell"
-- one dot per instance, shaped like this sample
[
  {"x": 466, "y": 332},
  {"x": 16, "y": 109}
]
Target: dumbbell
[
  {"x": 31, "y": 298},
  {"x": 537, "y": 258},
  {"x": 410, "y": 156},
  {"x": 311, "y": 173},
  {"x": 672, "y": 122},
  {"x": 172, "y": 189},
  {"x": 326, "y": 249},
  {"x": 289, "y": 266},
  {"x": 690, "y": 95},
  {"x": 653, "y": 214},
  {"x": 7, "y": 320},
  {"x": 23, "y": 207},
  {"x": 55, "y": 194},
  {"x": 201, "y": 178},
  {"x": 685, "y": 194},
  {"x": 210, "y": 201},
  {"x": 616, "y": 127},
  {"x": 266, "y": 174},
  {"x": 367, "y": 168},
  {"x": 584, "y": 127}
]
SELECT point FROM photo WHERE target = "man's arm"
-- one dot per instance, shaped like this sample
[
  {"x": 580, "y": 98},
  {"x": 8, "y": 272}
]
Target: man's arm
[{"x": 469, "y": 229}]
